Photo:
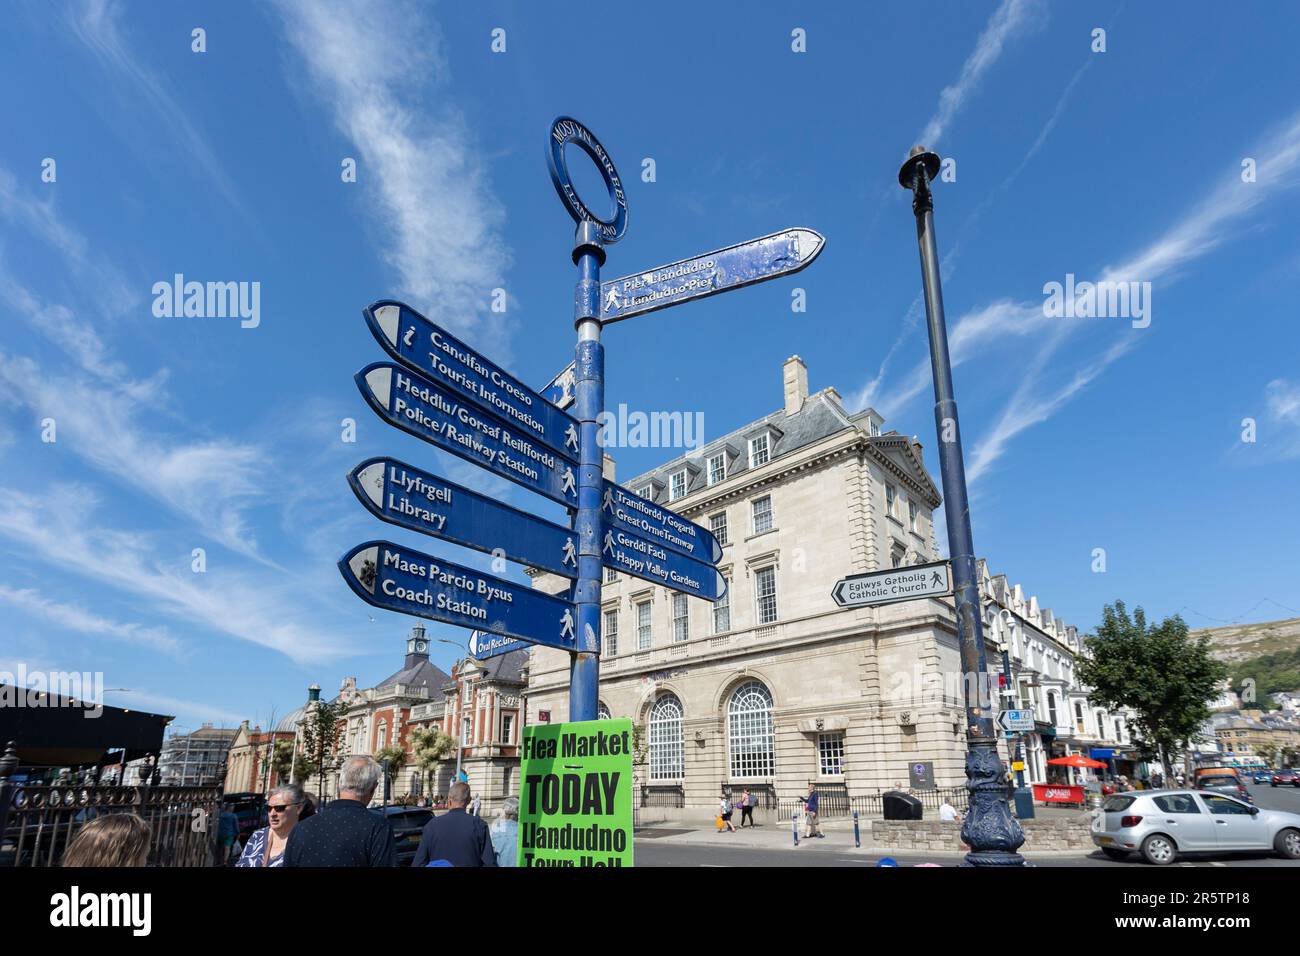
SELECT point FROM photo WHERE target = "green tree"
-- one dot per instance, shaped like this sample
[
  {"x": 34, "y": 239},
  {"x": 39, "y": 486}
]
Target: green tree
[
  {"x": 1269, "y": 751},
  {"x": 396, "y": 757},
  {"x": 430, "y": 746},
  {"x": 1158, "y": 672},
  {"x": 282, "y": 760},
  {"x": 322, "y": 738}
]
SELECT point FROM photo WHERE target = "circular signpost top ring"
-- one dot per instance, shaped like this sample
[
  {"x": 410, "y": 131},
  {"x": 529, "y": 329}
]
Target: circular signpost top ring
[{"x": 567, "y": 130}]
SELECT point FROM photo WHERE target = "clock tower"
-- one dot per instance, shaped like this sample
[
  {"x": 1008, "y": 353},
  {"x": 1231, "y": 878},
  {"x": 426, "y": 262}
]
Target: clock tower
[{"x": 417, "y": 647}]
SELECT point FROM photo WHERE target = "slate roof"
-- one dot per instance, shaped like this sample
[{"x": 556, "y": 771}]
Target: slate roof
[
  {"x": 820, "y": 417},
  {"x": 423, "y": 674},
  {"x": 506, "y": 667}
]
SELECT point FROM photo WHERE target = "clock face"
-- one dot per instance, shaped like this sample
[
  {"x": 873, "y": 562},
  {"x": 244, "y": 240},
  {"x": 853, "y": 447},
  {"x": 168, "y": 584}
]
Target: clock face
[{"x": 420, "y": 646}]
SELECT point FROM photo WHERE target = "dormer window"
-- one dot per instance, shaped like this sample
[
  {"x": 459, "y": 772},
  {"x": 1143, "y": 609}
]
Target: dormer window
[
  {"x": 759, "y": 450},
  {"x": 647, "y": 492},
  {"x": 677, "y": 485},
  {"x": 717, "y": 468}
]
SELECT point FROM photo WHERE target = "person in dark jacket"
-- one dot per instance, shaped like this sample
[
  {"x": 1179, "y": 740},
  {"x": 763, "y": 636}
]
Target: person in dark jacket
[
  {"x": 456, "y": 837},
  {"x": 344, "y": 832}
]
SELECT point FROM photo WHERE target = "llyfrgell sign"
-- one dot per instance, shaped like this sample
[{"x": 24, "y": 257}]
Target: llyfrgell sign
[
  {"x": 575, "y": 805},
  {"x": 896, "y": 584}
]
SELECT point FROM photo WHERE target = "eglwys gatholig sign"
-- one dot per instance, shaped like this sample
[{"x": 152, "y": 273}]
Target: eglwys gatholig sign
[{"x": 575, "y": 808}]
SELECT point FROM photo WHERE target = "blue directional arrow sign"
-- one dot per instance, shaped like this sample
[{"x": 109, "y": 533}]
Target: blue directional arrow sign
[
  {"x": 418, "y": 406},
  {"x": 634, "y": 555},
  {"x": 767, "y": 257},
  {"x": 398, "y": 578},
  {"x": 412, "y": 498},
  {"x": 420, "y": 345},
  {"x": 483, "y": 645},
  {"x": 623, "y": 509}
]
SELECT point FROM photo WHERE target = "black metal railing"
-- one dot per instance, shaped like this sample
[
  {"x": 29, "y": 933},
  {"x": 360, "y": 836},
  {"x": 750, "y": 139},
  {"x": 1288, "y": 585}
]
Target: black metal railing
[
  {"x": 835, "y": 801},
  {"x": 764, "y": 794},
  {"x": 40, "y": 821},
  {"x": 663, "y": 795}
]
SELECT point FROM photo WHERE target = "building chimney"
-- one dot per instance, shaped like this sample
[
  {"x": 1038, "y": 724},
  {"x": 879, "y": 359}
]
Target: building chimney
[
  {"x": 794, "y": 375},
  {"x": 607, "y": 467}
]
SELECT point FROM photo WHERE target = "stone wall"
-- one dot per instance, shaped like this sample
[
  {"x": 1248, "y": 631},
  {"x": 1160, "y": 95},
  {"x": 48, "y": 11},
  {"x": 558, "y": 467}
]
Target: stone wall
[{"x": 1058, "y": 834}]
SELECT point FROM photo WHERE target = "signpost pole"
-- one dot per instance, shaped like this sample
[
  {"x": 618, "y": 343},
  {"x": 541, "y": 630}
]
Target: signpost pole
[
  {"x": 589, "y": 403},
  {"x": 989, "y": 829}
]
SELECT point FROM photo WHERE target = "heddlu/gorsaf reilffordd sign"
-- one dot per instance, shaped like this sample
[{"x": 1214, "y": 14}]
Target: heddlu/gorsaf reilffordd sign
[
  {"x": 767, "y": 257},
  {"x": 407, "y": 496},
  {"x": 416, "y": 405},
  {"x": 420, "y": 345},
  {"x": 398, "y": 578},
  {"x": 897, "y": 584}
]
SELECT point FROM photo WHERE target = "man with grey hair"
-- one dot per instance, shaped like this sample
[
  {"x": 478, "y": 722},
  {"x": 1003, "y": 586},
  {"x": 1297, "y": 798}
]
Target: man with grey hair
[
  {"x": 344, "y": 832},
  {"x": 456, "y": 838}
]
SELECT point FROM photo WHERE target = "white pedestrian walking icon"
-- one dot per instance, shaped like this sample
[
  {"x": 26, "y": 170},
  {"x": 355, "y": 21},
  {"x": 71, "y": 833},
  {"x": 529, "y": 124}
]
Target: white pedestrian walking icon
[
  {"x": 570, "y": 553},
  {"x": 568, "y": 485},
  {"x": 571, "y": 437},
  {"x": 611, "y": 299},
  {"x": 608, "y": 504},
  {"x": 566, "y": 624},
  {"x": 609, "y": 543}
]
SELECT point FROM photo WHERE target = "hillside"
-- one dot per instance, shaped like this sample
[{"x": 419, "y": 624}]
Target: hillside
[{"x": 1238, "y": 642}]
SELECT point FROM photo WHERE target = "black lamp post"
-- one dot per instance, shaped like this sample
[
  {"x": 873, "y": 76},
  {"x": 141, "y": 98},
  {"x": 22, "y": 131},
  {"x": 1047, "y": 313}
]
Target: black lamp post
[{"x": 989, "y": 829}]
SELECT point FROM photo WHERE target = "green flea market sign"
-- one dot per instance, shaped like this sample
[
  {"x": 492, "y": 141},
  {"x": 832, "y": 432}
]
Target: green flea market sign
[{"x": 575, "y": 808}]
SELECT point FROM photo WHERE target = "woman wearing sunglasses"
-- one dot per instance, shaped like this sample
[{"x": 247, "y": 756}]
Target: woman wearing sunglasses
[{"x": 266, "y": 846}]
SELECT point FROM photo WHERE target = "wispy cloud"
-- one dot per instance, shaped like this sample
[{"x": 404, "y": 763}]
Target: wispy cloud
[
  {"x": 97, "y": 23},
  {"x": 211, "y": 481},
  {"x": 378, "y": 67},
  {"x": 78, "y": 619},
  {"x": 1011, "y": 18},
  {"x": 60, "y": 527}
]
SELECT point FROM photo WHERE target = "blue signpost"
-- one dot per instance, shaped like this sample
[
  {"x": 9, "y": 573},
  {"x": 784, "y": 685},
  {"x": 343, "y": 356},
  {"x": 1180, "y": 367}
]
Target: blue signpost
[
  {"x": 398, "y": 578},
  {"x": 403, "y": 495},
  {"x": 454, "y": 398},
  {"x": 767, "y": 257},
  {"x": 418, "y": 406}
]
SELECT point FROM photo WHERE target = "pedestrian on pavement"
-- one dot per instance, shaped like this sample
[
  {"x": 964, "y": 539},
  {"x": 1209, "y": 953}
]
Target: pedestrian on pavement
[
  {"x": 476, "y": 804},
  {"x": 505, "y": 833},
  {"x": 266, "y": 846},
  {"x": 456, "y": 838},
  {"x": 114, "y": 839},
  {"x": 227, "y": 834},
  {"x": 747, "y": 802},
  {"x": 811, "y": 803},
  {"x": 344, "y": 832},
  {"x": 725, "y": 810},
  {"x": 948, "y": 813}
]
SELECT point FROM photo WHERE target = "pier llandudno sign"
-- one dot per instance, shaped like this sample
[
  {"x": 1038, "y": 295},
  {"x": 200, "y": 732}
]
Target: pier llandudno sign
[{"x": 897, "y": 584}]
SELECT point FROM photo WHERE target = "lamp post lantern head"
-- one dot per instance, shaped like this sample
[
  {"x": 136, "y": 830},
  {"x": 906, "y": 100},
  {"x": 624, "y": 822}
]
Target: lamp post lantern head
[{"x": 922, "y": 158}]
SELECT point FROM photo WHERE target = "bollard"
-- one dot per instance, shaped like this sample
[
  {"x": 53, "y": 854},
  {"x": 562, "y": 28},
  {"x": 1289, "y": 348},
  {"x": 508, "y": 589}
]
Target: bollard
[
  {"x": 794, "y": 826},
  {"x": 857, "y": 835}
]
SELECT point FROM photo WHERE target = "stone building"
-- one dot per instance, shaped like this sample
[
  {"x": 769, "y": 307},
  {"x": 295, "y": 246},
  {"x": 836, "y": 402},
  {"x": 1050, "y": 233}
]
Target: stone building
[
  {"x": 776, "y": 686},
  {"x": 196, "y": 759},
  {"x": 248, "y": 758}
]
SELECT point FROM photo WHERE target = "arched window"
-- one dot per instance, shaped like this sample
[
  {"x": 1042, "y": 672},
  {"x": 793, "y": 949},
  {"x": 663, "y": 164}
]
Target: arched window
[
  {"x": 1051, "y": 708},
  {"x": 666, "y": 749},
  {"x": 749, "y": 731},
  {"x": 381, "y": 738},
  {"x": 602, "y": 712}
]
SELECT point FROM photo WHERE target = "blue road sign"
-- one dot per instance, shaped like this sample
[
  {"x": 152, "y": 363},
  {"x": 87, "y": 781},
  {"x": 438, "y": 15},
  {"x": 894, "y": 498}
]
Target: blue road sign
[
  {"x": 780, "y": 254},
  {"x": 418, "y": 406},
  {"x": 560, "y": 390},
  {"x": 648, "y": 520},
  {"x": 634, "y": 555},
  {"x": 419, "y": 344},
  {"x": 398, "y": 578},
  {"x": 483, "y": 645},
  {"x": 412, "y": 498}
]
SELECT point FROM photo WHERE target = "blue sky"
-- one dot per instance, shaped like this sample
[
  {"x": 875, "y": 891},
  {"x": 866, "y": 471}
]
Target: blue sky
[{"x": 183, "y": 433}]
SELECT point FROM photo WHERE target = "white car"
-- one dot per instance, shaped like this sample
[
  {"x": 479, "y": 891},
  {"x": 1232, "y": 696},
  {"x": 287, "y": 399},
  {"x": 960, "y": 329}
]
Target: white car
[{"x": 1161, "y": 824}]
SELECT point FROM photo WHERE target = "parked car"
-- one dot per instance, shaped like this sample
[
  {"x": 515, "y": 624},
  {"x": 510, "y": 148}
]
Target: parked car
[
  {"x": 408, "y": 826},
  {"x": 1224, "y": 783},
  {"x": 1262, "y": 776},
  {"x": 1161, "y": 825},
  {"x": 1281, "y": 777}
]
